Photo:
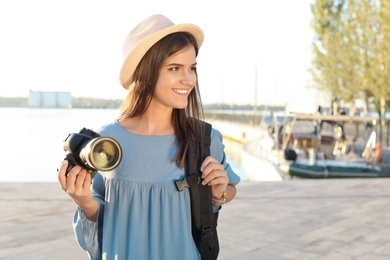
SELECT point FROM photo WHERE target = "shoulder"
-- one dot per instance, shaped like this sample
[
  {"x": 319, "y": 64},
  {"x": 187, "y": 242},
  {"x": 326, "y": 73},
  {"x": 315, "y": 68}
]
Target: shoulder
[
  {"x": 217, "y": 147},
  {"x": 215, "y": 133},
  {"x": 108, "y": 129}
]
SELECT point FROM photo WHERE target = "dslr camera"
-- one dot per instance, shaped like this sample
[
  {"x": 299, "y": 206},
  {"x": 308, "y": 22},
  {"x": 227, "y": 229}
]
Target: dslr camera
[{"x": 92, "y": 152}]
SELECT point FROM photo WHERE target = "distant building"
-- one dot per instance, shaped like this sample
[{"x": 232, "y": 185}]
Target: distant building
[{"x": 49, "y": 99}]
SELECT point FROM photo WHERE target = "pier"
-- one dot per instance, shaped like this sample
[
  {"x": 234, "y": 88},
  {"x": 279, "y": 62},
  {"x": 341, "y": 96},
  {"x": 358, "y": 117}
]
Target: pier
[{"x": 296, "y": 219}]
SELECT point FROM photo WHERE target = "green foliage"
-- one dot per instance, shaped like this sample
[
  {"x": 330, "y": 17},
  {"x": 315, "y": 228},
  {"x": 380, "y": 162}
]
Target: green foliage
[{"x": 351, "y": 58}]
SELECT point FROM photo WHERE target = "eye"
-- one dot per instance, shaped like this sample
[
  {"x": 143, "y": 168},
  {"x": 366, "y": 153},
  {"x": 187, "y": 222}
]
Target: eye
[
  {"x": 174, "y": 68},
  {"x": 193, "y": 69}
]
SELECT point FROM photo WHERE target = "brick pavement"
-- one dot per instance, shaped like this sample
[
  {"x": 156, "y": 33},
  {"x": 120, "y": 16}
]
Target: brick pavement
[{"x": 292, "y": 219}]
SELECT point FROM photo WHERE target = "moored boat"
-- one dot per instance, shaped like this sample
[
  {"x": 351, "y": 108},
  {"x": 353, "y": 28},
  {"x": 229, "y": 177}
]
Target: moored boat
[
  {"x": 331, "y": 152},
  {"x": 337, "y": 169}
]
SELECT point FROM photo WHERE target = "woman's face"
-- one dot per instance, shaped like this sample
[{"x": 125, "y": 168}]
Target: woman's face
[{"x": 176, "y": 79}]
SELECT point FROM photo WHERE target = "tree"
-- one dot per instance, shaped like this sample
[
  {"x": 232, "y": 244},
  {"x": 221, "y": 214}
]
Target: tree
[
  {"x": 351, "y": 59},
  {"x": 326, "y": 62},
  {"x": 383, "y": 52}
]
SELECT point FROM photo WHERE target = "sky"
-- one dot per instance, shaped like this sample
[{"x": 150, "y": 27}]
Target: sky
[{"x": 76, "y": 46}]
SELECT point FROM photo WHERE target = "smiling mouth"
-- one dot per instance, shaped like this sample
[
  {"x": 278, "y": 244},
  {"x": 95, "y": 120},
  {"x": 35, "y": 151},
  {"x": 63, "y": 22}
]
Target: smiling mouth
[{"x": 181, "y": 91}]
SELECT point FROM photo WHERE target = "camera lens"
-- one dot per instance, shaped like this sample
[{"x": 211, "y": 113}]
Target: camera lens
[{"x": 103, "y": 153}]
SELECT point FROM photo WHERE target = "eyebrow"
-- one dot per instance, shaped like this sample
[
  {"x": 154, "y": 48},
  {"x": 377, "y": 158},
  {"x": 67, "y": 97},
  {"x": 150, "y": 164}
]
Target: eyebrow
[{"x": 179, "y": 65}]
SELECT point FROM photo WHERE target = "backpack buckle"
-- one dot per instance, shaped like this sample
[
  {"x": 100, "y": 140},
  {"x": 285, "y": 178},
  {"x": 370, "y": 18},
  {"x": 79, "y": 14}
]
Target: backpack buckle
[
  {"x": 181, "y": 185},
  {"x": 187, "y": 182}
]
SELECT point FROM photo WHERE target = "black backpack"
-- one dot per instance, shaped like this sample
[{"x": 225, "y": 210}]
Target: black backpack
[{"x": 204, "y": 221}]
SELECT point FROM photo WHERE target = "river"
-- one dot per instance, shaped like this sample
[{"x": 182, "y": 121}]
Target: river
[{"x": 31, "y": 140}]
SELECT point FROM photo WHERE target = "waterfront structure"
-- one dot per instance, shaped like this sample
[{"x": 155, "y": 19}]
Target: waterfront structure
[{"x": 47, "y": 99}]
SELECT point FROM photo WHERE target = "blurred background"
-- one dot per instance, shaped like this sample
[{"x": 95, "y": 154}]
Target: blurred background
[{"x": 60, "y": 63}]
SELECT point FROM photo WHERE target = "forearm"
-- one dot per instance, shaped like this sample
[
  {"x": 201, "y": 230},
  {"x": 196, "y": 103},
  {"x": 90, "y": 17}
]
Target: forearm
[
  {"x": 90, "y": 210},
  {"x": 230, "y": 194}
]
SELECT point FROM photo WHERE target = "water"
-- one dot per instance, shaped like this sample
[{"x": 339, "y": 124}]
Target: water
[{"x": 31, "y": 140}]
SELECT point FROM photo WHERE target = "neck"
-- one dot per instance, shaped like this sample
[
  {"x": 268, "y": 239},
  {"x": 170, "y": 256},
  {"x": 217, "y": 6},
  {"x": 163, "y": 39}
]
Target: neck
[{"x": 150, "y": 123}]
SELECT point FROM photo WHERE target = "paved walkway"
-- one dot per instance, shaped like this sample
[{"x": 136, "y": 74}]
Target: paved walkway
[{"x": 292, "y": 219}]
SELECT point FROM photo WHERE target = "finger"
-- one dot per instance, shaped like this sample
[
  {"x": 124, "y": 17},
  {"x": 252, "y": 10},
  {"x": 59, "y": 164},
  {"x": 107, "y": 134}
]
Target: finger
[
  {"x": 87, "y": 182},
  {"x": 211, "y": 167},
  {"x": 71, "y": 179},
  {"x": 80, "y": 179},
  {"x": 61, "y": 174},
  {"x": 206, "y": 162},
  {"x": 219, "y": 174},
  {"x": 84, "y": 181},
  {"x": 82, "y": 186}
]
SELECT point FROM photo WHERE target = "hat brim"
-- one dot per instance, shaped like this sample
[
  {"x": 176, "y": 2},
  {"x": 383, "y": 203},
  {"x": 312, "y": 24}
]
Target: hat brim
[{"x": 133, "y": 59}]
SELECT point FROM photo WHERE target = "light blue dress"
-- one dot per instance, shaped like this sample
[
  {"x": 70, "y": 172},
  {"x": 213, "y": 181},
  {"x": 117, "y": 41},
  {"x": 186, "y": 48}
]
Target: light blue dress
[{"x": 141, "y": 214}]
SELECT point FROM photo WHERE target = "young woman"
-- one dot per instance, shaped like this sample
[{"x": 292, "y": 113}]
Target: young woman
[{"x": 135, "y": 210}]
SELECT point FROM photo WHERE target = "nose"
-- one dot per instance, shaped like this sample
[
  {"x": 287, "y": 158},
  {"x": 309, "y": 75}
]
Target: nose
[{"x": 189, "y": 79}]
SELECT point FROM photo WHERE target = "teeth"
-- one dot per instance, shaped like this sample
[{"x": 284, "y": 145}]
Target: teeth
[{"x": 181, "y": 91}]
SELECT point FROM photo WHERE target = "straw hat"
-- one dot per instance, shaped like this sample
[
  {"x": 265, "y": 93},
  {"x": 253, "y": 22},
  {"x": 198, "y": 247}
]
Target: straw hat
[{"x": 144, "y": 36}]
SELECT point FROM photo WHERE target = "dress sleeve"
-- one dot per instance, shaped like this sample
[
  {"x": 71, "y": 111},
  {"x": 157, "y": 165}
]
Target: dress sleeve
[
  {"x": 88, "y": 233},
  {"x": 217, "y": 151}
]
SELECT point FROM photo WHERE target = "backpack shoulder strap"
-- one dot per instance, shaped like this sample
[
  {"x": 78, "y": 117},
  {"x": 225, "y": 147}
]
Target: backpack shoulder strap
[
  {"x": 194, "y": 157},
  {"x": 203, "y": 218}
]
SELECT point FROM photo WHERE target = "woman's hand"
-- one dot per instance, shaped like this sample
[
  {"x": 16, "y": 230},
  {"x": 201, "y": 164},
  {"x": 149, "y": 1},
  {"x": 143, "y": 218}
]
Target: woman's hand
[
  {"x": 77, "y": 184},
  {"x": 214, "y": 174}
]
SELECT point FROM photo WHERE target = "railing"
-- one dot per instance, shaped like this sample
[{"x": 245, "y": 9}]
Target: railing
[{"x": 248, "y": 117}]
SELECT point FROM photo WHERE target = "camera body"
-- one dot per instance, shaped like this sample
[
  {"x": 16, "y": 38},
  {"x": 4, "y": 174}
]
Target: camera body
[{"x": 92, "y": 152}]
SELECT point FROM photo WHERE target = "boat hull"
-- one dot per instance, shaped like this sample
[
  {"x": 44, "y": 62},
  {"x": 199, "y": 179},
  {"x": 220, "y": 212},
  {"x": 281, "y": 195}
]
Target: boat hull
[{"x": 305, "y": 170}]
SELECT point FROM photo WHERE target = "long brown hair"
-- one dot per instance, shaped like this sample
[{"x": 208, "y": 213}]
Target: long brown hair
[{"x": 140, "y": 93}]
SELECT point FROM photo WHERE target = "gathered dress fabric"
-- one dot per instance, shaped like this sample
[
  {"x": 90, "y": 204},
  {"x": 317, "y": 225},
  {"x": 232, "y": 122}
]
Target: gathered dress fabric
[{"x": 141, "y": 214}]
